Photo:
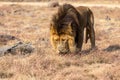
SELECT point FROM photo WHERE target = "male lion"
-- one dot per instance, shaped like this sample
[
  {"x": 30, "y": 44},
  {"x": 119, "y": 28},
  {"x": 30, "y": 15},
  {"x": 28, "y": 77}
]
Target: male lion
[{"x": 67, "y": 28}]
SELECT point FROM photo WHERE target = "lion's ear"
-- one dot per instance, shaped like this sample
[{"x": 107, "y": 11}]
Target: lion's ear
[
  {"x": 53, "y": 29},
  {"x": 51, "y": 26}
]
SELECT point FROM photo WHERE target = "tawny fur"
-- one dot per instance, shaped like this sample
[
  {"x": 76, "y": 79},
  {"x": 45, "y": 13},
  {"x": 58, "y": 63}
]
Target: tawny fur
[{"x": 68, "y": 24}]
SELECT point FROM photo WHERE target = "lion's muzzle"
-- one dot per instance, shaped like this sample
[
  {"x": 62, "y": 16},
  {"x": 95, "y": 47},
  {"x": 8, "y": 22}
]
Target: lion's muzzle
[{"x": 62, "y": 49}]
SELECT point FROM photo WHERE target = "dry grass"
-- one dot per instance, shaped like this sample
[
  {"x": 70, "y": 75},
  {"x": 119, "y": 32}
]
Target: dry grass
[
  {"x": 31, "y": 24},
  {"x": 79, "y": 1}
]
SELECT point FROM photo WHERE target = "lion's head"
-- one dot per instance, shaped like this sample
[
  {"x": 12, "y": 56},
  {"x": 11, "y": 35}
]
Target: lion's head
[
  {"x": 63, "y": 39},
  {"x": 63, "y": 29}
]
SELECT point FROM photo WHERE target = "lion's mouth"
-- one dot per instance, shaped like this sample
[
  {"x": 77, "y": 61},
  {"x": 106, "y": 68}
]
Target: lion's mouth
[{"x": 64, "y": 52}]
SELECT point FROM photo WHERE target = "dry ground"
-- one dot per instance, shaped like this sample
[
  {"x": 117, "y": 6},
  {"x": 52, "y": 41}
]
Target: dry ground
[{"x": 31, "y": 24}]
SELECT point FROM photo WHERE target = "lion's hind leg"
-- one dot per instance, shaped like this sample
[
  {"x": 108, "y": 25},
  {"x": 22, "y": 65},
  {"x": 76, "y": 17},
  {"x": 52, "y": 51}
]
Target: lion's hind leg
[
  {"x": 90, "y": 30},
  {"x": 92, "y": 37},
  {"x": 87, "y": 35}
]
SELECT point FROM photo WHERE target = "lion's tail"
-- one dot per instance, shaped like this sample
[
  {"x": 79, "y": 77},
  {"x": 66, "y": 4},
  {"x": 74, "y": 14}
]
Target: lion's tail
[{"x": 90, "y": 24}]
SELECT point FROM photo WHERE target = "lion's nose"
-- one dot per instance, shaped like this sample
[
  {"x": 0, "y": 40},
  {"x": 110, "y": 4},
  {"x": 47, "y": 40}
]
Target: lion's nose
[{"x": 62, "y": 50}]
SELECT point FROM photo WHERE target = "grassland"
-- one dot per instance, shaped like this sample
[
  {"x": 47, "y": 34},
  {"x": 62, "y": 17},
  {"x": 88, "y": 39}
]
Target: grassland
[{"x": 30, "y": 23}]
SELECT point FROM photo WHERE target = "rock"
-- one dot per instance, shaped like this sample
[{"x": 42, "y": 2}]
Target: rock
[
  {"x": 53, "y": 4},
  {"x": 107, "y": 18},
  {"x": 4, "y": 39},
  {"x": 112, "y": 48},
  {"x": 18, "y": 48}
]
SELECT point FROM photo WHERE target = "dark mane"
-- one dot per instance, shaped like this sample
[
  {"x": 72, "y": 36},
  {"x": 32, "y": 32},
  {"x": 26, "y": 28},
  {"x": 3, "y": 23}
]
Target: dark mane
[{"x": 66, "y": 14}]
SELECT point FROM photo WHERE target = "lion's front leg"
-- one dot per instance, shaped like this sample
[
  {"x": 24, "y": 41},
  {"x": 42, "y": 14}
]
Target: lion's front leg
[
  {"x": 72, "y": 45},
  {"x": 80, "y": 40}
]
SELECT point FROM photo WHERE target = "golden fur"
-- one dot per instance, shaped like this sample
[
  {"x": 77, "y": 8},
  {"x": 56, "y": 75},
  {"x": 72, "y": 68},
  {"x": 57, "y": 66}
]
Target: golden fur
[{"x": 67, "y": 28}]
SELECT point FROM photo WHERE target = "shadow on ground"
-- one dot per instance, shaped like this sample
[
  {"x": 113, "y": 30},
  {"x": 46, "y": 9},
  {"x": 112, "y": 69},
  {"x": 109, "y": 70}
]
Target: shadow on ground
[
  {"x": 83, "y": 52},
  {"x": 112, "y": 48}
]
